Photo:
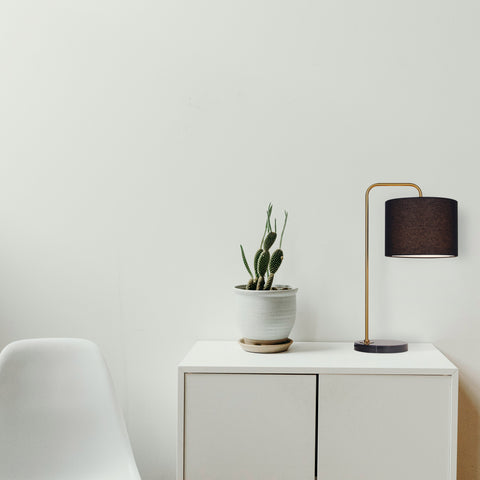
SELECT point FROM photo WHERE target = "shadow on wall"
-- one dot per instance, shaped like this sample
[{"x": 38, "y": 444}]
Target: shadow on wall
[{"x": 468, "y": 436}]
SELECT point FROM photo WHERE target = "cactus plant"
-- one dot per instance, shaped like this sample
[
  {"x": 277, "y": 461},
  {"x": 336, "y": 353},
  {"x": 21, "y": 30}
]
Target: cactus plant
[{"x": 265, "y": 265}]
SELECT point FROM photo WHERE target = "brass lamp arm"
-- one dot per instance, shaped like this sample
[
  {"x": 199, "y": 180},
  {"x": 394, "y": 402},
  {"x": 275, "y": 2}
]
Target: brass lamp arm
[{"x": 420, "y": 194}]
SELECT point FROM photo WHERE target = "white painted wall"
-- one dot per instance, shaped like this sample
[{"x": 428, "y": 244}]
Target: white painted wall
[{"x": 140, "y": 142}]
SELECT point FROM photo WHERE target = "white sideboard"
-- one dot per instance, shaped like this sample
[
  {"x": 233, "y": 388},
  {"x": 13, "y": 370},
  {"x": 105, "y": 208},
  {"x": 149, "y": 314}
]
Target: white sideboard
[{"x": 320, "y": 410}]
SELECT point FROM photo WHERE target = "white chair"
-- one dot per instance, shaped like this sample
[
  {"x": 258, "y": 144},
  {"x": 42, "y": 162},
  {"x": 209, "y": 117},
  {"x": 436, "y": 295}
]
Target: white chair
[{"x": 59, "y": 419}]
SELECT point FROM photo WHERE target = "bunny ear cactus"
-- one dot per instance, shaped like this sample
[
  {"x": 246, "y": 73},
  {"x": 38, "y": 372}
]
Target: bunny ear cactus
[{"x": 265, "y": 265}]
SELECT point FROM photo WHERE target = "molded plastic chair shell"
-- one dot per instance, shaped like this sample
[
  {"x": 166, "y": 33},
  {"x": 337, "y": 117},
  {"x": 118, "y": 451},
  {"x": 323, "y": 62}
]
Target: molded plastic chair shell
[{"x": 59, "y": 419}]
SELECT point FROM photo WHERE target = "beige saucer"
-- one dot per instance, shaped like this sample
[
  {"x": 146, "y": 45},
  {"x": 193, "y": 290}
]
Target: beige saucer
[{"x": 267, "y": 347}]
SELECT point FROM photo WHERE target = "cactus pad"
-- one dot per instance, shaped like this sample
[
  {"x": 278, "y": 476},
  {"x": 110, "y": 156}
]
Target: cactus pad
[
  {"x": 263, "y": 263},
  {"x": 255, "y": 261},
  {"x": 276, "y": 260},
  {"x": 269, "y": 283},
  {"x": 260, "y": 283},
  {"x": 269, "y": 240}
]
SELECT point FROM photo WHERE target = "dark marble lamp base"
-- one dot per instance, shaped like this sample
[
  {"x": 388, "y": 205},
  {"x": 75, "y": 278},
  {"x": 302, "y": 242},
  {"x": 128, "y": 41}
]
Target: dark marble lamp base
[{"x": 381, "y": 346}]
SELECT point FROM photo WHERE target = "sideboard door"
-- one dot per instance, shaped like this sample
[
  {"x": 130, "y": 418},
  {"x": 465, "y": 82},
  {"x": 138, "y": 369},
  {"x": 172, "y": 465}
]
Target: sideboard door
[
  {"x": 255, "y": 427},
  {"x": 385, "y": 426}
]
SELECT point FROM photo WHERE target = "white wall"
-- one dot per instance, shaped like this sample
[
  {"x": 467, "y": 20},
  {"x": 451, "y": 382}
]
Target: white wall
[{"x": 140, "y": 142}]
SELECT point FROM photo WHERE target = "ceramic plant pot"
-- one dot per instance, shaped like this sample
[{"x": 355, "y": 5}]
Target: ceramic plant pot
[{"x": 266, "y": 315}]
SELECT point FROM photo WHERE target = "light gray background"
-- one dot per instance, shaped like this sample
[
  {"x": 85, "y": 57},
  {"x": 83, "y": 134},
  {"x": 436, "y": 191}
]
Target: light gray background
[{"x": 141, "y": 141}]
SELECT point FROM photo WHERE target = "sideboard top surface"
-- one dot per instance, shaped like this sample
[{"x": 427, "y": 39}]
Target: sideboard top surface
[{"x": 315, "y": 358}]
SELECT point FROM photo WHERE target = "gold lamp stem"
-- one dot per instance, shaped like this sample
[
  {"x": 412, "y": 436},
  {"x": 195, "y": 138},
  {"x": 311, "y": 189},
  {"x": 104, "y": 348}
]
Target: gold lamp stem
[{"x": 367, "y": 340}]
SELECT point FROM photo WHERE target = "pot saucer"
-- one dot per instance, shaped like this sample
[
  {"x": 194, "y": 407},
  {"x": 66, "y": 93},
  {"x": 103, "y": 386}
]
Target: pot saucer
[
  {"x": 249, "y": 341},
  {"x": 266, "y": 347}
]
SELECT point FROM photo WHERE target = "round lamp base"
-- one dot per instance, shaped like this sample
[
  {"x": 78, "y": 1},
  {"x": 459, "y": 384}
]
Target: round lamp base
[{"x": 381, "y": 346}]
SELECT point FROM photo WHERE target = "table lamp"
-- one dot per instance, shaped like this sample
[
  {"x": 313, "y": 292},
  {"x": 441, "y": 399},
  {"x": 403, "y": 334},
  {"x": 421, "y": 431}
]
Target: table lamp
[{"x": 415, "y": 227}]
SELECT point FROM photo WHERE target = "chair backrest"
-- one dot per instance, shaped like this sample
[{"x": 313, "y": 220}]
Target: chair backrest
[{"x": 59, "y": 419}]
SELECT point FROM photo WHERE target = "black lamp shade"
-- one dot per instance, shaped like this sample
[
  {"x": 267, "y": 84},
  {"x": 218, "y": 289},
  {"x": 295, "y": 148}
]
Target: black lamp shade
[{"x": 421, "y": 227}]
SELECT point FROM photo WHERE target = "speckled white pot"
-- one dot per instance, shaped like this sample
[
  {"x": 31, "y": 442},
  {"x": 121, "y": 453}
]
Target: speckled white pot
[{"x": 266, "y": 314}]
